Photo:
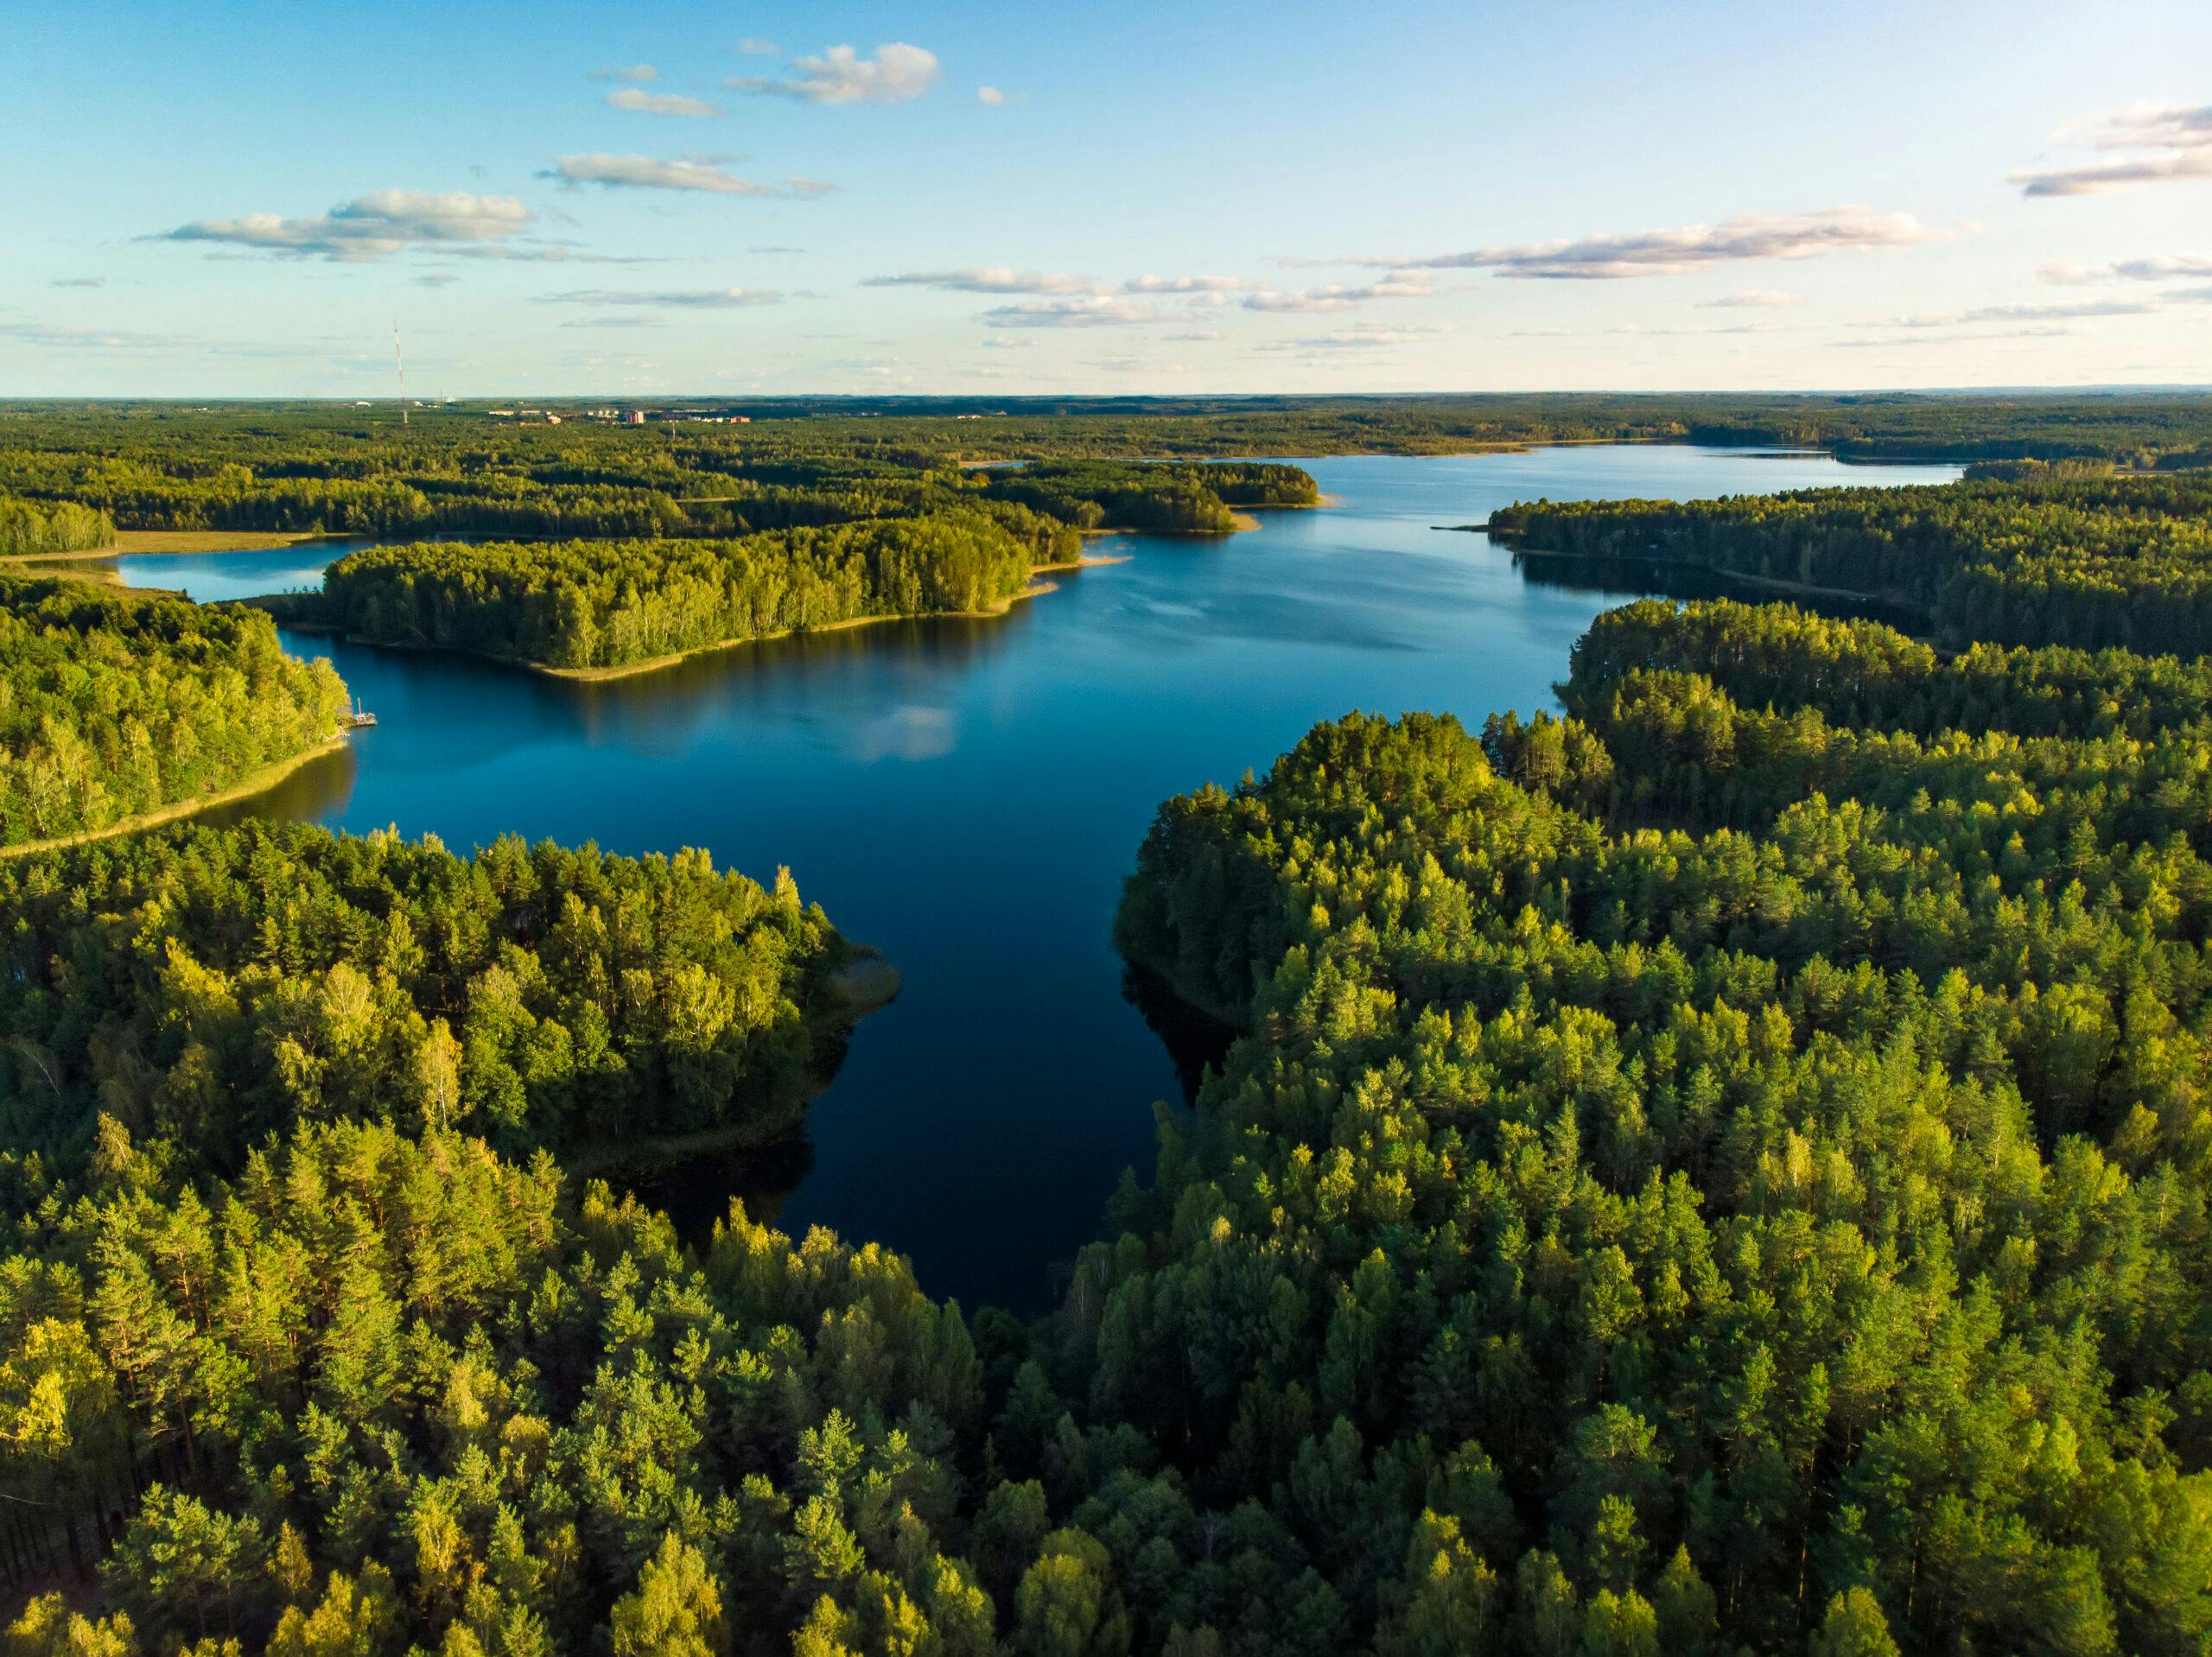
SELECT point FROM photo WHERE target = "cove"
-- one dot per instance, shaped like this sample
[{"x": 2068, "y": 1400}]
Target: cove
[{"x": 968, "y": 795}]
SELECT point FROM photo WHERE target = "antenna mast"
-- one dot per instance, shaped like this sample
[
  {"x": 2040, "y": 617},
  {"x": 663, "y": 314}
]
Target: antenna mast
[{"x": 402, "y": 362}]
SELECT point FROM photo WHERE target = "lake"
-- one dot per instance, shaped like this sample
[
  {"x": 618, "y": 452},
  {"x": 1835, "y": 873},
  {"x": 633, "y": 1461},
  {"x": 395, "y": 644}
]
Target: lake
[{"x": 968, "y": 795}]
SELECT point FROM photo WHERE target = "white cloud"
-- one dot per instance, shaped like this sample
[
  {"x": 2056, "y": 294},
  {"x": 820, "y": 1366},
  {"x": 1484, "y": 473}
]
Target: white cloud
[
  {"x": 1091, "y": 310},
  {"x": 647, "y": 172},
  {"x": 1754, "y": 299},
  {"x": 1638, "y": 331},
  {"x": 693, "y": 299},
  {"x": 1366, "y": 338},
  {"x": 896, "y": 73},
  {"x": 1186, "y": 285},
  {"x": 753, "y": 46},
  {"x": 1195, "y": 335},
  {"x": 543, "y": 253},
  {"x": 1670, "y": 252},
  {"x": 985, "y": 279},
  {"x": 41, "y": 333},
  {"x": 1902, "y": 340},
  {"x": 2169, "y": 269},
  {"x": 2070, "y": 311},
  {"x": 645, "y": 103},
  {"x": 992, "y": 97},
  {"x": 77, "y": 282},
  {"x": 2152, "y": 143},
  {"x": 615, "y": 322},
  {"x": 2047, "y": 312},
  {"x": 636, "y": 73},
  {"x": 1341, "y": 296},
  {"x": 437, "y": 279},
  {"x": 370, "y": 226}
]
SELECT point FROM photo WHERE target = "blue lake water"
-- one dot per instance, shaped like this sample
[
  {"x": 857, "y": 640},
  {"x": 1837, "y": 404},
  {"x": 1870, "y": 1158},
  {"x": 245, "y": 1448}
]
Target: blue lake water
[{"x": 968, "y": 796}]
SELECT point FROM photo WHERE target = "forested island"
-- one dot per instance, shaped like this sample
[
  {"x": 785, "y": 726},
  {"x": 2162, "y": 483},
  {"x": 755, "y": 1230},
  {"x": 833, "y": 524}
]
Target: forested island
[
  {"x": 575, "y": 606},
  {"x": 1726, "y": 1168}
]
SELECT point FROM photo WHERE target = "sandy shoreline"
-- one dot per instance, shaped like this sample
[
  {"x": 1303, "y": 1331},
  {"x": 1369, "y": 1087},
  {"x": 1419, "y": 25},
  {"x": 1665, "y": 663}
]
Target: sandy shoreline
[
  {"x": 1037, "y": 588},
  {"x": 656, "y": 664},
  {"x": 140, "y": 542},
  {"x": 253, "y": 783}
]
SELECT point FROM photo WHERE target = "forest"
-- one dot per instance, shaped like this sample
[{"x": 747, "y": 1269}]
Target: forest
[
  {"x": 604, "y": 604},
  {"x": 43, "y": 531},
  {"x": 157, "y": 445},
  {"x": 1720, "y": 1171},
  {"x": 75, "y": 483},
  {"x": 197, "y": 993},
  {"x": 113, "y": 704},
  {"x": 1724, "y": 1168},
  {"x": 2050, "y": 558}
]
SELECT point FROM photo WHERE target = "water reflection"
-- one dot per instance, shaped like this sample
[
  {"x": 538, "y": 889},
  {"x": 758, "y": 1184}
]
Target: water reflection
[
  {"x": 314, "y": 792},
  {"x": 805, "y": 676},
  {"x": 1575, "y": 571},
  {"x": 1196, "y": 1041}
]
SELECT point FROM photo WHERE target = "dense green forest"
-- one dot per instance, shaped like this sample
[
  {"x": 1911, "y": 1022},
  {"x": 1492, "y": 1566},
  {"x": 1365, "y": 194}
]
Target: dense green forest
[
  {"x": 2056, "y": 559},
  {"x": 913, "y": 545},
  {"x": 1645, "y": 1217},
  {"x": 1193, "y": 499},
  {"x": 458, "y": 469},
  {"x": 39, "y": 442},
  {"x": 599, "y": 604},
  {"x": 1701, "y": 1177},
  {"x": 1725, "y": 1169},
  {"x": 43, "y": 531},
  {"x": 340, "y": 475},
  {"x": 113, "y": 704},
  {"x": 193, "y": 992}
]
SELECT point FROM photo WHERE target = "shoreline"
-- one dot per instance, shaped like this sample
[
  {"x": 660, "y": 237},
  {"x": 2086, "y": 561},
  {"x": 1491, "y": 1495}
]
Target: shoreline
[
  {"x": 255, "y": 782},
  {"x": 1765, "y": 583},
  {"x": 142, "y": 542},
  {"x": 657, "y": 663},
  {"x": 867, "y": 983},
  {"x": 1037, "y": 588}
]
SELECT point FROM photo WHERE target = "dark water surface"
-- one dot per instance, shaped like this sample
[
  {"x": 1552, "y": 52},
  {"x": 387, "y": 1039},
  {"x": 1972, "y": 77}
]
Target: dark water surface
[{"x": 967, "y": 796}]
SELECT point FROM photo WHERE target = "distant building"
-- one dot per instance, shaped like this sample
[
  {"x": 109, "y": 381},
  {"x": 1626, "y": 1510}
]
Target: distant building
[{"x": 634, "y": 417}]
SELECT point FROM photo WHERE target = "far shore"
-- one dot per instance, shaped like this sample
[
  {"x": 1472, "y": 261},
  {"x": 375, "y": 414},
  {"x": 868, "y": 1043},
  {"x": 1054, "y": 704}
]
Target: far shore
[
  {"x": 253, "y": 783},
  {"x": 138, "y": 542}
]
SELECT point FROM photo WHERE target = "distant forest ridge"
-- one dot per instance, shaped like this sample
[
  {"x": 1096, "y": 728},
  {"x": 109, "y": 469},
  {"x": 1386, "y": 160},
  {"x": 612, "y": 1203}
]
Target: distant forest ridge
[{"x": 2135, "y": 427}]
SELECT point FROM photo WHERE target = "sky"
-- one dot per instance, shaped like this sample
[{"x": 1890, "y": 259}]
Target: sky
[{"x": 232, "y": 200}]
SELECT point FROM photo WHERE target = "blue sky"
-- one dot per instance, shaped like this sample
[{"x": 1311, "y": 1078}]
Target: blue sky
[{"x": 240, "y": 200}]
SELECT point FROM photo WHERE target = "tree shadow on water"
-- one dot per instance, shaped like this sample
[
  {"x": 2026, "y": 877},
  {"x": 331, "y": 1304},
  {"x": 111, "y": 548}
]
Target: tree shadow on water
[{"x": 1196, "y": 1041}]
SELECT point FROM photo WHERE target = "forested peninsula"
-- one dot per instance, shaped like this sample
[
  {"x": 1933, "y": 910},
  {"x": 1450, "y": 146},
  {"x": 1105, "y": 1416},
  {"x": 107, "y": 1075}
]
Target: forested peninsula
[
  {"x": 1724, "y": 1168},
  {"x": 2052, "y": 558},
  {"x": 1728, "y": 1169},
  {"x": 115, "y": 705}
]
